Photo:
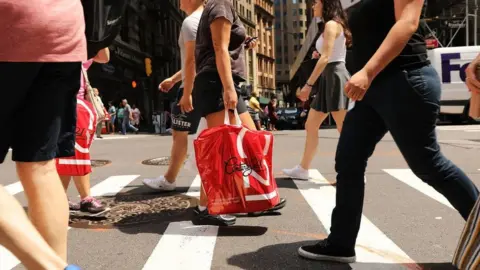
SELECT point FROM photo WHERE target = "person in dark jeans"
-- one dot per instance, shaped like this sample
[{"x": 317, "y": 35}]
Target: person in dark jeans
[{"x": 403, "y": 97}]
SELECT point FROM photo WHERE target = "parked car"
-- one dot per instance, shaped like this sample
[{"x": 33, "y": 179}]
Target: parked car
[{"x": 290, "y": 118}]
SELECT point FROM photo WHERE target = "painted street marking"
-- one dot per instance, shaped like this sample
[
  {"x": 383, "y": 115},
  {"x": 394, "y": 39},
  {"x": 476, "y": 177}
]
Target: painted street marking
[
  {"x": 112, "y": 185},
  {"x": 408, "y": 177},
  {"x": 373, "y": 246},
  {"x": 14, "y": 189},
  {"x": 184, "y": 246},
  {"x": 108, "y": 187},
  {"x": 194, "y": 190}
]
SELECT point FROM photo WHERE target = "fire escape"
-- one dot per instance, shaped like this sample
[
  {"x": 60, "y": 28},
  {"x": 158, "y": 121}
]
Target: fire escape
[{"x": 452, "y": 23}]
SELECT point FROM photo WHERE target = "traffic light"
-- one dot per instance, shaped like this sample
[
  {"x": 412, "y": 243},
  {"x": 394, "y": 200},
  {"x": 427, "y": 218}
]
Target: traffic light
[
  {"x": 134, "y": 84},
  {"x": 148, "y": 66}
]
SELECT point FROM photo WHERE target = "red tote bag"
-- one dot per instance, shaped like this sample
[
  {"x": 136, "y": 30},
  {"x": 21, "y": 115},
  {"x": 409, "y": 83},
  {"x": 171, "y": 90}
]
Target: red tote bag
[{"x": 235, "y": 165}]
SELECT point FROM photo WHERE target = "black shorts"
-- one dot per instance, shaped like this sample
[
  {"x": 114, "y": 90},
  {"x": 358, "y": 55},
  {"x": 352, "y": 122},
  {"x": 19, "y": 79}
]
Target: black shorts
[
  {"x": 208, "y": 95},
  {"x": 184, "y": 121},
  {"x": 38, "y": 110}
]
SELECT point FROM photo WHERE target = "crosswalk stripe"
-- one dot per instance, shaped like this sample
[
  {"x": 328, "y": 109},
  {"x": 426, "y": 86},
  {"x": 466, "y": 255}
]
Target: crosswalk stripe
[
  {"x": 109, "y": 187},
  {"x": 183, "y": 245},
  {"x": 112, "y": 185},
  {"x": 373, "y": 246},
  {"x": 14, "y": 189},
  {"x": 194, "y": 190},
  {"x": 409, "y": 178}
]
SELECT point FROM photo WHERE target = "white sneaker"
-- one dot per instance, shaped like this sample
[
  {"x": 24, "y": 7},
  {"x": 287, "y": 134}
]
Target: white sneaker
[
  {"x": 159, "y": 183},
  {"x": 297, "y": 172}
]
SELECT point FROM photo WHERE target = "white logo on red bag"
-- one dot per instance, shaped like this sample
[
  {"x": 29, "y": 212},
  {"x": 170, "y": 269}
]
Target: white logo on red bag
[{"x": 249, "y": 166}]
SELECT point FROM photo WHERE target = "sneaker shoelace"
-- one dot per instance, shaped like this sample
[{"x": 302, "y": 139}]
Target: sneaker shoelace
[{"x": 93, "y": 201}]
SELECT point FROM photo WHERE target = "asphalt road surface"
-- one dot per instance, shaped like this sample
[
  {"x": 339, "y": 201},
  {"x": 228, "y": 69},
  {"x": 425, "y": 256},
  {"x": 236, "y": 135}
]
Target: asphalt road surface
[{"x": 406, "y": 224}]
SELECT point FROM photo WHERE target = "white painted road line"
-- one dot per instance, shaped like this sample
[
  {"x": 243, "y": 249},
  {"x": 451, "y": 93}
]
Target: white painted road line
[
  {"x": 109, "y": 187},
  {"x": 184, "y": 246},
  {"x": 408, "y": 177},
  {"x": 14, "y": 189},
  {"x": 373, "y": 246},
  {"x": 194, "y": 190},
  {"x": 112, "y": 185}
]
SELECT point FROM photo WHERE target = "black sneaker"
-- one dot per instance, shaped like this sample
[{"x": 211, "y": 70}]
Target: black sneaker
[
  {"x": 280, "y": 205},
  {"x": 324, "y": 251},
  {"x": 204, "y": 218}
]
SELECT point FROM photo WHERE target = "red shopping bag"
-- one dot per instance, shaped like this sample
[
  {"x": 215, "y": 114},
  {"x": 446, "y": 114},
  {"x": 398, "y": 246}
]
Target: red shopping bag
[{"x": 235, "y": 165}]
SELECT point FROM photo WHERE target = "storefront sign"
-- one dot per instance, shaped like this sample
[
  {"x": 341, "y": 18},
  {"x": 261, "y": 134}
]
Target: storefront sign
[{"x": 119, "y": 52}]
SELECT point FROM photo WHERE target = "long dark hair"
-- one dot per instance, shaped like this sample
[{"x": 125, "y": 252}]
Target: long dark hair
[{"x": 333, "y": 10}]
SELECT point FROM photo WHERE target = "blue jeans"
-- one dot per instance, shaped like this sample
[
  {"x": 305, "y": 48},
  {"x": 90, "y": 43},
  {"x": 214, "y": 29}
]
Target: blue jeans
[
  {"x": 126, "y": 126},
  {"x": 407, "y": 104}
]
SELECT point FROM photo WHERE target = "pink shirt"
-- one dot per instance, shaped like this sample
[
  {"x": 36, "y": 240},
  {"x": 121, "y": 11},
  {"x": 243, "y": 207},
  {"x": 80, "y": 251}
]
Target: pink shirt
[
  {"x": 42, "y": 31},
  {"x": 86, "y": 65}
]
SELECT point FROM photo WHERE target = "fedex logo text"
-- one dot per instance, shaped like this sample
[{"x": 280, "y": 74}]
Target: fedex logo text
[{"x": 448, "y": 67}]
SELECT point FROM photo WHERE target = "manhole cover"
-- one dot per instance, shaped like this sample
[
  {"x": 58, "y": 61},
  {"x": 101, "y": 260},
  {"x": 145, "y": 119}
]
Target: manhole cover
[
  {"x": 160, "y": 161},
  {"x": 129, "y": 210},
  {"x": 100, "y": 163}
]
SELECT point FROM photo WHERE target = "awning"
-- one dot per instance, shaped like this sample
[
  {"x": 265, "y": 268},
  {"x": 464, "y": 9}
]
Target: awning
[{"x": 264, "y": 100}]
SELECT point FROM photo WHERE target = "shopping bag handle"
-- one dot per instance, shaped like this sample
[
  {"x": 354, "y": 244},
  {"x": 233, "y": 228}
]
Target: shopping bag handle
[{"x": 237, "y": 118}]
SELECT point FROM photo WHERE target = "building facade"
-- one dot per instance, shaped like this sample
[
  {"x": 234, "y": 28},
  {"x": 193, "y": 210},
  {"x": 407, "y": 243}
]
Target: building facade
[
  {"x": 148, "y": 28},
  {"x": 265, "y": 31},
  {"x": 292, "y": 18}
]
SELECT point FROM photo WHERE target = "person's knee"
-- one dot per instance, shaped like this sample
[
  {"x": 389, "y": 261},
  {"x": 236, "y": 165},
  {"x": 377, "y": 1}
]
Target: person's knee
[
  {"x": 180, "y": 137},
  {"x": 432, "y": 168}
]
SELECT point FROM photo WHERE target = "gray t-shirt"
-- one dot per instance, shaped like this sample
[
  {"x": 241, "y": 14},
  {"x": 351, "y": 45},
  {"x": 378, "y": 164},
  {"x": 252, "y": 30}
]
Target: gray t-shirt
[
  {"x": 126, "y": 111},
  {"x": 188, "y": 33},
  {"x": 204, "y": 52}
]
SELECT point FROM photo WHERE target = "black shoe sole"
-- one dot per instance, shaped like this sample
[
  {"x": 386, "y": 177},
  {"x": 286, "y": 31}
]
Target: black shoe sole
[
  {"x": 280, "y": 205},
  {"x": 321, "y": 257},
  {"x": 201, "y": 219}
]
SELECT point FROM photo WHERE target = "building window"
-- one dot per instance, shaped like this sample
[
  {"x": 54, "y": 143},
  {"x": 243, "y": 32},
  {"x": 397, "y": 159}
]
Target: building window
[{"x": 300, "y": 11}]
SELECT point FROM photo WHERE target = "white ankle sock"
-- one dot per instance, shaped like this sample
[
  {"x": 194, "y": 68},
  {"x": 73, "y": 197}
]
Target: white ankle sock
[{"x": 202, "y": 208}]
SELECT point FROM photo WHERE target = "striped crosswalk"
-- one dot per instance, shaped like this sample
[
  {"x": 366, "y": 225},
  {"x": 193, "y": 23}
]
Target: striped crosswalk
[{"x": 183, "y": 245}]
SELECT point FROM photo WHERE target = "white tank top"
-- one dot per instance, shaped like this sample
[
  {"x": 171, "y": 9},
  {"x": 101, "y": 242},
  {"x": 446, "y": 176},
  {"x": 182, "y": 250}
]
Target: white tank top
[{"x": 339, "y": 48}]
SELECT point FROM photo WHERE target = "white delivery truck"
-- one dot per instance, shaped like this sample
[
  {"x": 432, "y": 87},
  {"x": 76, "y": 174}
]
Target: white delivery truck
[{"x": 450, "y": 64}]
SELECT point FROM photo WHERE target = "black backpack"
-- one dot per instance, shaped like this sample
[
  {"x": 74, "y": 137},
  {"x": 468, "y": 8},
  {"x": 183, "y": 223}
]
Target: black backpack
[{"x": 103, "y": 22}]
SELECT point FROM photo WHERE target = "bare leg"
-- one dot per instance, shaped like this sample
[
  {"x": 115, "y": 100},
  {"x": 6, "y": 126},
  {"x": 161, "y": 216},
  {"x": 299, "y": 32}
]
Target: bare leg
[
  {"x": 82, "y": 183},
  {"x": 179, "y": 153},
  {"x": 339, "y": 116},
  {"x": 65, "y": 181},
  {"x": 19, "y": 236},
  {"x": 314, "y": 120},
  {"x": 47, "y": 202}
]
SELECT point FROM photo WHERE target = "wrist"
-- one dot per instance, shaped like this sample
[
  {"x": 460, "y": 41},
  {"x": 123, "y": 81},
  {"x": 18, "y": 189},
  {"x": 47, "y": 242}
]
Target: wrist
[{"x": 370, "y": 71}]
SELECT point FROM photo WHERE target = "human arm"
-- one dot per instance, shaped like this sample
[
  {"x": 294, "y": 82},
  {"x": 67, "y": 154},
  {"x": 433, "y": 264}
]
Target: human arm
[
  {"x": 221, "y": 29},
  {"x": 103, "y": 56},
  {"x": 329, "y": 35},
  {"x": 407, "y": 16},
  {"x": 189, "y": 34},
  {"x": 472, "y": 81},
  {"x": 168, "y": 83}
]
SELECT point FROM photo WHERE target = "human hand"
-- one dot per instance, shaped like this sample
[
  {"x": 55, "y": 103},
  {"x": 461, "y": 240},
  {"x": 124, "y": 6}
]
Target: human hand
[
  {"x": 251, "y": 42},
  {"x": 186, "y": 104},
  {"x": 358, "y": 85},
  {"x": 166, "y": 85},
  {"x": 472, "y": 80},
  {"x": 305, "y": 93},
  {"x": 230, "y": 99}
]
